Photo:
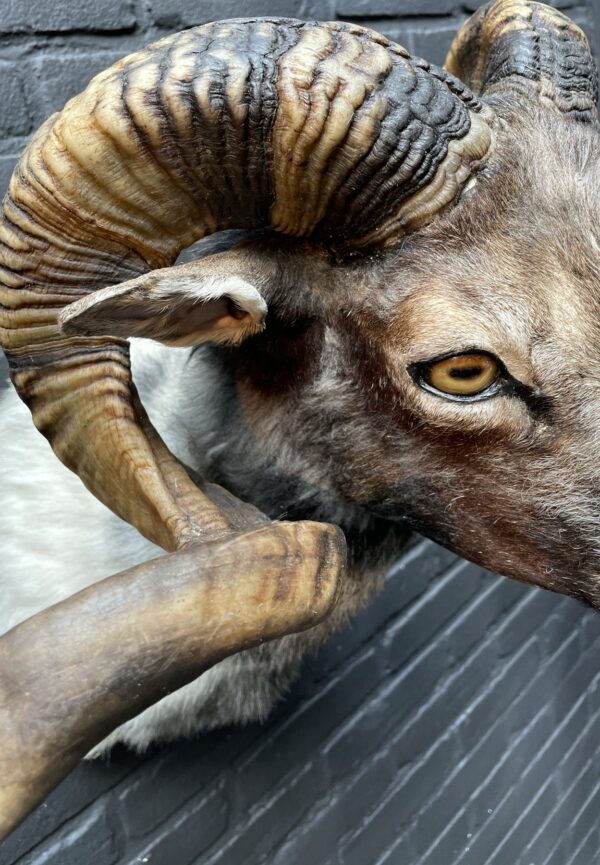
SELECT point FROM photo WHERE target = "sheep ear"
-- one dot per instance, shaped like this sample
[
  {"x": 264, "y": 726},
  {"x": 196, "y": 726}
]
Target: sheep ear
[{"x": 179, "y": 306}]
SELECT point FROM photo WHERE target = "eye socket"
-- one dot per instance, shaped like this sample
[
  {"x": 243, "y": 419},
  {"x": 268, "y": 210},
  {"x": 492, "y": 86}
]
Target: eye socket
[{"x": 461, "y": 375}]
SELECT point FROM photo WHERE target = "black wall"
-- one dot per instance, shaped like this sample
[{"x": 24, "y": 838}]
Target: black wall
[{"x": 456, "y": 721}]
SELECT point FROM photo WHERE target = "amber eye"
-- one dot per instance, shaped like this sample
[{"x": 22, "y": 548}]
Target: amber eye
[{"x": 463, "y": 374}]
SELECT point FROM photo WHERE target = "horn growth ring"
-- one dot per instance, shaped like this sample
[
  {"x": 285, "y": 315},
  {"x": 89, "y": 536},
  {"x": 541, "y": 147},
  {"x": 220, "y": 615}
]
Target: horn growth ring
[
  {"x": 327, "y": 130},
  {"x": 530, "y": 49}
]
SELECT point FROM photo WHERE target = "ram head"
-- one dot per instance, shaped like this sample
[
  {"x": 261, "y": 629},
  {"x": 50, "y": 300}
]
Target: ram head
[{"x": 424, "y": 274}]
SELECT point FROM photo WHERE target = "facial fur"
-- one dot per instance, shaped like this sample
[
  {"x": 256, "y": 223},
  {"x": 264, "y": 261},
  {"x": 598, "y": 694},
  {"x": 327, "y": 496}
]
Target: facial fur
[{"x": 513, "y": 270}]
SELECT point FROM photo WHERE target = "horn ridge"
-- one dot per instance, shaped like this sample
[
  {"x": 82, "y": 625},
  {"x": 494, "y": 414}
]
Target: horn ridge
[
  {"x": 532, "y": 50},
  {"x": 306, "y": 128}
]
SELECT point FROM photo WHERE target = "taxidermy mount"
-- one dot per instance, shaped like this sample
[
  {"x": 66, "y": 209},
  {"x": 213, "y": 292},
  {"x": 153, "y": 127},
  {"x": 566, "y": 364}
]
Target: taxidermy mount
[{"x": 396, "y": 327}]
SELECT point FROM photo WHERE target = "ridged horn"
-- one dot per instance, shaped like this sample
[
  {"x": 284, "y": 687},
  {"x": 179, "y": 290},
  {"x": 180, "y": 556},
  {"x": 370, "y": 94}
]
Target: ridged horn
[
  {"x": 528, "y": 49},
  {"x": 72, "y": 673},
  {"x": 310, "y": 129}
]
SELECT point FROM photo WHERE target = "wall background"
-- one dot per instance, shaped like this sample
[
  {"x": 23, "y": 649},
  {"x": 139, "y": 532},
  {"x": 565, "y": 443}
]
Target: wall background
[{"x": 454, "y": 723}]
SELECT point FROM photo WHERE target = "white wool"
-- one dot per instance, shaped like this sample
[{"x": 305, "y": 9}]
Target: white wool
[{"x": 56, "y": 539}]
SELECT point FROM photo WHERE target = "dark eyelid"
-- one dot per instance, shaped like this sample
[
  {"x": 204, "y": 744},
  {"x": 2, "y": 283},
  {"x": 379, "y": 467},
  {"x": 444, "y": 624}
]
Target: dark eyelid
[{"x": 428, "y": 361}]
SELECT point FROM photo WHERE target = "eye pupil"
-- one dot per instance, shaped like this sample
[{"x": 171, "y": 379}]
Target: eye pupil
[
  {"x": 462, "y": 374},
  {"x": 465, "y": 372}
]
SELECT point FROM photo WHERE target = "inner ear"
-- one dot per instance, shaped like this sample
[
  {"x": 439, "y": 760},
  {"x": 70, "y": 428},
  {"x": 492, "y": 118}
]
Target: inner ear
[
  {"x": 222, "y": 312},
  {"x": 178, "y": 306}
]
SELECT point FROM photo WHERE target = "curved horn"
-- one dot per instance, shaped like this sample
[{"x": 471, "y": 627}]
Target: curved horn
[
  {"x": 72, "y": 673},
  {"x": 325, "y": 130},
  {"x": 531, "y": 49}
]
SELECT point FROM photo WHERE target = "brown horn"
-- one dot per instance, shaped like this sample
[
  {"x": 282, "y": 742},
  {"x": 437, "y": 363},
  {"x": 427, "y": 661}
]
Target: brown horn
[
  {"x": 72, "y": 673},
  {"x": 528, "y": 49},
  {"x": 325, "y": 130}
]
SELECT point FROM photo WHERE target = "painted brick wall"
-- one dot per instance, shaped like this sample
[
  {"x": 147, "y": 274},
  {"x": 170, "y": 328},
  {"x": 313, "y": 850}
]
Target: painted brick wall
[{"x": 454, "y": 723}]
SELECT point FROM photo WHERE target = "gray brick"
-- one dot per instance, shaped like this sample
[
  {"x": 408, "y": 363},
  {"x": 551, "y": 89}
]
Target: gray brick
[
  {"x": 502, "y": 690},
  {"x": 484, "y": 768},
  {"x": 433, "y": 43},
  {"x": 420, "y": 733},
  {"x": 506, "y": 815},
  {"x": 268, "y": 825},
  {"x": 476, "y": 621},
  {"x": 518, "y": 834},
  {"x": 557, "y": 820},
  {"x": 394, "y": 815},
  {"x": 424, "y": 562},
  {"x": 405, "y": 637},
  {"x": 197, "y": 829},
  {"x": 48, "y": 16},
  {"x": 472, "y": 5},
  {"x": 483, "y": 774},
  {"x": 56, "y": 79},
  {"x": 525, "y": 767},
  {"x": 7, "y": 164},
  {"x": 401, "y": 851},
  {"x": 448, "y": 703},
  {"x": 74, "y": 844},
  {"x": 463, "y": 777},
  {"x": 422, "y": 774},
  {"x": 587, "y": 851},
  {"x": 586, "y": 819},
  {"x": 467, "y": 679},
  {"x": 3, "y": 370},
  {"x": 504, "y": 771},
  {"x": 87, "y": 783},
  {"x": 375, "y": 8},
  {"x": 574, "y": 683},
  {"x": 305, "y": 730},
  {"x": 486, "y": 799},
  {"x": 526, "y": 619},
  {"x": 396, "y": 31},
  {"x": 177, "y": 777},
  {"x": 584, "y": 746},
  {"x": 566, "y": 612},
  {"x": 15, "y": 118},
  {"x": 593, "y": 695},
  {"x": 387, "y": 708},
  {"x": 142, "y": 814},
  {"x": 336, "y": 815},
  {"x": 187, "y": 13},
  {"x": 565, "y": 851},
  {"x": 575, "y": 771},
  {"x": 589, "y": 629}
]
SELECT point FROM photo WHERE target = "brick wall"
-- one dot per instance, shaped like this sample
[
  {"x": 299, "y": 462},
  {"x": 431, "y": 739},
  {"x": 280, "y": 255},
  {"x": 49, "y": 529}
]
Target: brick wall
[{"x": 454, "y": 723}]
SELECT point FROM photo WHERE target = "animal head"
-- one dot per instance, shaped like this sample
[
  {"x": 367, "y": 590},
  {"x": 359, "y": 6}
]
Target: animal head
[{"x": 429, "y": 281}]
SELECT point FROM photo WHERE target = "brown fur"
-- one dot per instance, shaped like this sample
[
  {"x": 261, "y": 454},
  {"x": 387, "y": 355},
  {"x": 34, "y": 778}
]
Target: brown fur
[{"x": 510, "y": 482}]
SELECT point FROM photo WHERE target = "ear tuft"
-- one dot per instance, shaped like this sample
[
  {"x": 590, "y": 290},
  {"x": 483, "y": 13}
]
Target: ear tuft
[{"x": 243, "y": 309}]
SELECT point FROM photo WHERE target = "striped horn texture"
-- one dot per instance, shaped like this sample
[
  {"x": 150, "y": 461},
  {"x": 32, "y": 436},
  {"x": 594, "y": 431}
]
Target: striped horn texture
[
  {"x": 321, "y": 130},
  {"x": 529, "y": 49}
]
